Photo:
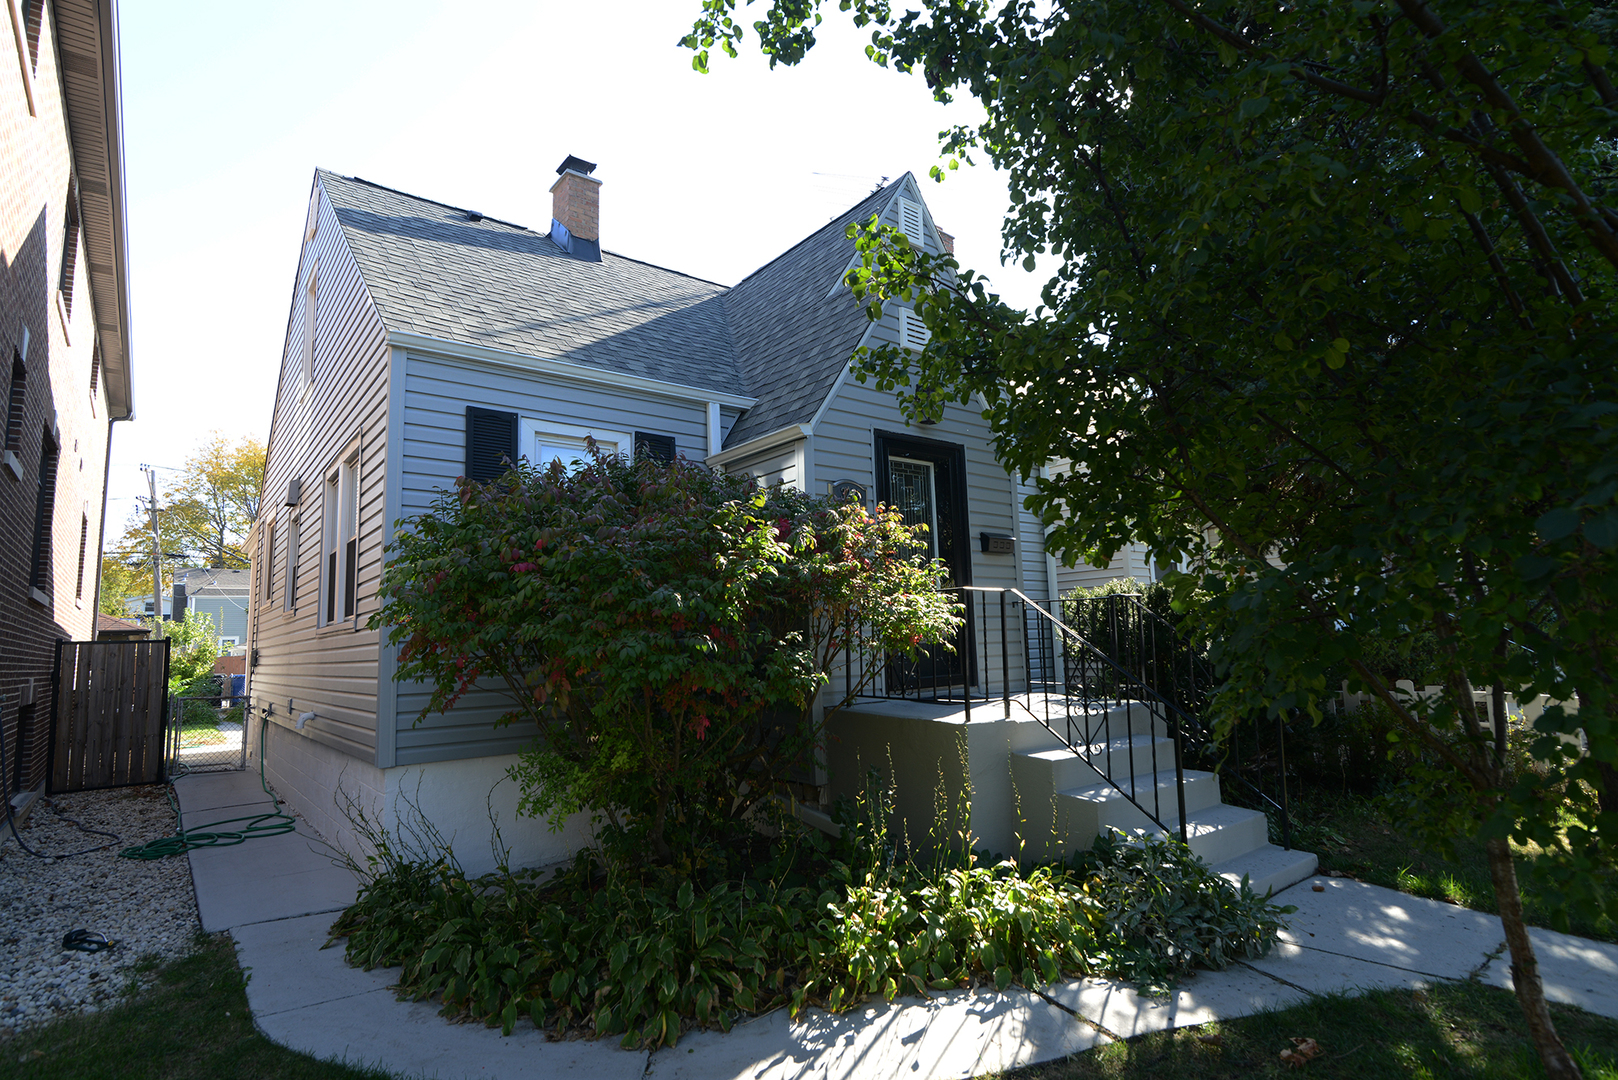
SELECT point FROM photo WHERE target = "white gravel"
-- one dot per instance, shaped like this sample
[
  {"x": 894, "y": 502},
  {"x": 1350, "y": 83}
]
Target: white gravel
[{"x": 148, "y": 908}]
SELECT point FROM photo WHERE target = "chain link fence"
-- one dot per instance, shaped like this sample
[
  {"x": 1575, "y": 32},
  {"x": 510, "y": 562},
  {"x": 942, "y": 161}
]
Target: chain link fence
[{"x": 207, "y": 732}]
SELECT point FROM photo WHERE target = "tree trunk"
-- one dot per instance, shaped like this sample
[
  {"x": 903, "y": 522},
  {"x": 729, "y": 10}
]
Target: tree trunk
[{"x": 1559, "y": 1064}]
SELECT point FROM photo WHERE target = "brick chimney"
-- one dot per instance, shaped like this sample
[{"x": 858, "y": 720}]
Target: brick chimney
[
  {"x": 576, "y": 209},
  {"x": 948, "y": 241}
]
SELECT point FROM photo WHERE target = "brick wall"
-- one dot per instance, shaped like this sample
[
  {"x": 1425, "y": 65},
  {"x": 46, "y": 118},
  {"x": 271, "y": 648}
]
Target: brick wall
[{"x": 35, "y": 170}]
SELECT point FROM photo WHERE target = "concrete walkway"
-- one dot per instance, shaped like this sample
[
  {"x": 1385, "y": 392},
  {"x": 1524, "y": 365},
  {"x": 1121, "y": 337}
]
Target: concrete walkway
[{"x": 277, "y": 896}]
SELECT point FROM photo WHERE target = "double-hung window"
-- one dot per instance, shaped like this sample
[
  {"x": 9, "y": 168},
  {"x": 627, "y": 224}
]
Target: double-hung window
[{"x": 341, "y": 512}]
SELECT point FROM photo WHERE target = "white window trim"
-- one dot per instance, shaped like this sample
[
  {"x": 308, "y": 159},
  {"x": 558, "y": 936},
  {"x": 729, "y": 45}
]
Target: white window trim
[
  {"x": 530, "y": 428},
  {"x": 331, "y": 510},
  {"x": 289, "y": 573},
  {"x": 311, "y": 298}
]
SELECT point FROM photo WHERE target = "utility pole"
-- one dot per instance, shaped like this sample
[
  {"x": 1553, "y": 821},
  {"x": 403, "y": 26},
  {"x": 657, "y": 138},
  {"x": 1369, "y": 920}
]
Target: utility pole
[{"x": 157, "y": 557}]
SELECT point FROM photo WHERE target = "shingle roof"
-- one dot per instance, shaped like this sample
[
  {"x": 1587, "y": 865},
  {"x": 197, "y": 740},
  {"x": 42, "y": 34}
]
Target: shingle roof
[
  {"x": 782, "y": 335},
  {"x": 433, "y": 271},
  {"x": 216, "y": 581},
  {"x": 794, "y": 332}
]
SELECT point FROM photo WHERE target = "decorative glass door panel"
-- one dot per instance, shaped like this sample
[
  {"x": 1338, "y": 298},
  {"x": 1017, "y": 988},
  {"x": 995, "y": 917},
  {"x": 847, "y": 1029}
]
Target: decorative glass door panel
[{"x": 912, "y": 490}]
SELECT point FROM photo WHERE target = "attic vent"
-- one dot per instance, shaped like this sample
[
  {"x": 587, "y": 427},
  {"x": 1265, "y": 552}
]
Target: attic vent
[
  {"x": 473, "y": 215},
  {"x": 311, "y": 223},
  {"x": 913, "y": 333},
  {"x": 911, "y": 222},
  {"x": 654, "y": 447}
]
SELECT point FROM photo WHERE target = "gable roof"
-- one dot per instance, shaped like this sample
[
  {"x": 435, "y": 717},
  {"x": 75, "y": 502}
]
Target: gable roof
[
  {"x": 216, "y": 581},
  {"x": 434, "y": 271},
  {"x": 794, "y": 329}
]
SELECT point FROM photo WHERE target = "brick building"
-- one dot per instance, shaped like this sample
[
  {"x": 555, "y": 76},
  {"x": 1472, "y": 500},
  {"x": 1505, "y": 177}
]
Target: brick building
[{"x": 64, "y": 345}]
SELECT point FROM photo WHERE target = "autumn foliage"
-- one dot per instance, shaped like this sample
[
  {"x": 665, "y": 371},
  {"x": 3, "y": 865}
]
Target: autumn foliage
[{"x": 665, "y": 629}]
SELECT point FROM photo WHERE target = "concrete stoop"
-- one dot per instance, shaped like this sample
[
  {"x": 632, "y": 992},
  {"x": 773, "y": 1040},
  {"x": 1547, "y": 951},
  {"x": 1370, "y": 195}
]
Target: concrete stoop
[{"x": 1233, "y": 840}]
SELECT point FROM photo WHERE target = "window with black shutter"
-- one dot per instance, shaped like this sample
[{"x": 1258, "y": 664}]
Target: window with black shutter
[
  {"x": 654, "y": 447},
  {"x": 491, "y": 442}
]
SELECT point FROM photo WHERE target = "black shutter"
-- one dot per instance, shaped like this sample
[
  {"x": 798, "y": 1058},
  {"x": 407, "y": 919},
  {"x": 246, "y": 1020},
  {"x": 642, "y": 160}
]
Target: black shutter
[
  {"x": 491, "y": 442},
  {"x": 655, "y": 447}
]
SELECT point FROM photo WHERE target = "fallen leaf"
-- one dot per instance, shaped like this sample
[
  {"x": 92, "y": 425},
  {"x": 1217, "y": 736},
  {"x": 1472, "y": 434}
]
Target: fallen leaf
[
  {"x": 1318, "y": 888},
  {"x": 1302, "y": 1053},
  {"x": 1214, "y": 1039}
]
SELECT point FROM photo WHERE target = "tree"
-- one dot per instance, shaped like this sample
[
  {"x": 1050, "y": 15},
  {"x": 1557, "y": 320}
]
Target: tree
[
  {"x": 666, "y": 629},
  {"x": 123, "y": 580},
  {"x": 210, "y": 510},
  {"x": 1334, "y": 323}
]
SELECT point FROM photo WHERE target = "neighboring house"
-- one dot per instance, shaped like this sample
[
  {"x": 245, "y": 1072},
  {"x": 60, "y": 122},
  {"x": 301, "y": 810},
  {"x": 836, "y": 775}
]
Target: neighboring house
[
  {"x": 220, "y": 593},
  {"x": 109, "y": 628},
  {"x": 426, "y": 342},
  {"x": 64, "y": 346}
]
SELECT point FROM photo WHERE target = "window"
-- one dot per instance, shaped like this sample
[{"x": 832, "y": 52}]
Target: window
[
  {"x": 310, "y": 295},
  {"x": 342, "y": 543},
  {"x": 44, "y": 510},
  {"x": 229, "y": 642},
  {"x": 84, "y": 544},
  {"x": 14, "y": 404},
  {"x": 70, "y": 249},
  {"x": 291, "y": 600},
  {"x": 543, "y": 442},
  {"x": 269, "y": 565}
]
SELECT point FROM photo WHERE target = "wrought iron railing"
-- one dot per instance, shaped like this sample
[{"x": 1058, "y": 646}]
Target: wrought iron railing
[{"x": 1017, "y": 654}]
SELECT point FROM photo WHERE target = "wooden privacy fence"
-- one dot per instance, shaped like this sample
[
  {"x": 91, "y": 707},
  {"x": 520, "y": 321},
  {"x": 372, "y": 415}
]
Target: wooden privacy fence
[{"x": 108, "y": 714}]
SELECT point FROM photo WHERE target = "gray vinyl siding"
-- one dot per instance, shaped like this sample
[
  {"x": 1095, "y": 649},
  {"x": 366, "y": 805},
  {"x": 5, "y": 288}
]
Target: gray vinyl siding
[
  {"x": 844, "y": 448},
  {"x": 1030, "y": 543},
  {"x": 776, "y": 466},
  {"x": 1130, "y": 562},
  {"x": 229, "y": 614},
  {"x": 330, "y": 671},
  {"x": 436, "y": 394}
]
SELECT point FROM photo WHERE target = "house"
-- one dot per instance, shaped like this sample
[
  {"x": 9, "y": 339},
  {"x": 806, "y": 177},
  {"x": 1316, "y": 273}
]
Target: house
[
  {"x": 425, "y": 342},
  {"x": 220, "y": 593},
  {"x": 64, "y": 346},
  {"x": 109, "y": 628}
]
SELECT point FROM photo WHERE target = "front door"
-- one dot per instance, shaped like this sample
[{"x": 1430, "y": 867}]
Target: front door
[{"x": 925, "y": 481}]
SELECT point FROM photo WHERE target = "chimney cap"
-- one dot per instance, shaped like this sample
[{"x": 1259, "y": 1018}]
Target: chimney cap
[{"x": 575, "y": 164}]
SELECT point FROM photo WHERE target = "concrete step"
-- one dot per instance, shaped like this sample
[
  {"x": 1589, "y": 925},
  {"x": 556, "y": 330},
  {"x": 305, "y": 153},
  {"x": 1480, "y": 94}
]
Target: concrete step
[
  {"x": 1114, "y": 809},
  {"x": 1269, "y": 869},
  {"x": 1215, "y": 834},
  {"x": 1138, "y": 755}
]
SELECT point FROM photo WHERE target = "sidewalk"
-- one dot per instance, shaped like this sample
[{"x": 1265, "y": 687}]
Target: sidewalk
[{"x": 278, "y": 895}]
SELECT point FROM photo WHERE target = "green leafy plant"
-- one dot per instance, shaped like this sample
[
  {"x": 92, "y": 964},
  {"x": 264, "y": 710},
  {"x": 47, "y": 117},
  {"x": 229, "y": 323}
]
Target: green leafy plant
[
  {"x": 645, "y": 955},
  {"x": 664, "y": 627},
  {"x": 193, "y": 649}
]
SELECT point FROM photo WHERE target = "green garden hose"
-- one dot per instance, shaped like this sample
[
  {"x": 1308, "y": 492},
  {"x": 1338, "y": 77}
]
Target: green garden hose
[{"x": 275, "y": 823}]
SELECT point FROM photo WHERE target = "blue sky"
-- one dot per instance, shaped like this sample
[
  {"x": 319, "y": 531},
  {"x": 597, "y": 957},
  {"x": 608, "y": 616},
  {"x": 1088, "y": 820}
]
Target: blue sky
[{"x": 229, "y": 108}]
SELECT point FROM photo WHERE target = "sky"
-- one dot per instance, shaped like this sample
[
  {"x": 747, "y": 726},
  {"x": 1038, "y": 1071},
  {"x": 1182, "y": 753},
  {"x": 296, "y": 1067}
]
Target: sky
[{"x": 229, "y": 109}]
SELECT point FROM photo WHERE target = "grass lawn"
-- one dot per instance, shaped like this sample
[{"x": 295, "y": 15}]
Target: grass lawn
[
  {"x": 1352, "y": 835},
  {"x": 193, "y": 1025},
  {"x": 1455, "y": 1029}
]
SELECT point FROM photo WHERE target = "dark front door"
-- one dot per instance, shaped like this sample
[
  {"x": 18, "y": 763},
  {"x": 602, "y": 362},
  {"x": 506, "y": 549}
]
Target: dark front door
[{"x": 925, "y": 480}]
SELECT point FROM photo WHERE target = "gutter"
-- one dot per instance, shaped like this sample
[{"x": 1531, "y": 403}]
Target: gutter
[
  {"x": 422, "y": 344},
  {"x": 113, "y": 110}
]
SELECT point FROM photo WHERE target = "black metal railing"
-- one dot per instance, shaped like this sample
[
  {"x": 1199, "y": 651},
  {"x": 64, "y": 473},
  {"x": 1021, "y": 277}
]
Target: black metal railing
[{"x": 1097, "y": 697}]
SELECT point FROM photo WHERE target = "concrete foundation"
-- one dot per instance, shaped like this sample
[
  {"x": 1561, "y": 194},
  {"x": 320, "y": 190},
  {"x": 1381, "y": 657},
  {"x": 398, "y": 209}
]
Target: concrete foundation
[{"x": 466, "y": 802}]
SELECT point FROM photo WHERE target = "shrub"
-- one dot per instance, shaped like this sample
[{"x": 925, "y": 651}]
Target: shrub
[
  {"x": 644, "y": 956},
  {"x": 193, "y": 649},
  {"x": 654, "y": 622}
]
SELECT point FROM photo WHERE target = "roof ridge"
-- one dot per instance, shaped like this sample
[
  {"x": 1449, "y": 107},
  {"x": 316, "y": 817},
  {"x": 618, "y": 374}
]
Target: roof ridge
[{"x": 879, "y": 191}]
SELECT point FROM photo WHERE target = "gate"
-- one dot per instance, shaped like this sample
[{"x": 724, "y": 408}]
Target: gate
[
  {"x": 207, "y": 733},
  {"x": 108, "y": 713}
]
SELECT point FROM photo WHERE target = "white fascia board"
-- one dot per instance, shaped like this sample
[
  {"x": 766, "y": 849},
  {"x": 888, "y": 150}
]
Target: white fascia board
[
  {"x": 422, "y": 344},
  {"x": 779, "y": 437}
]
